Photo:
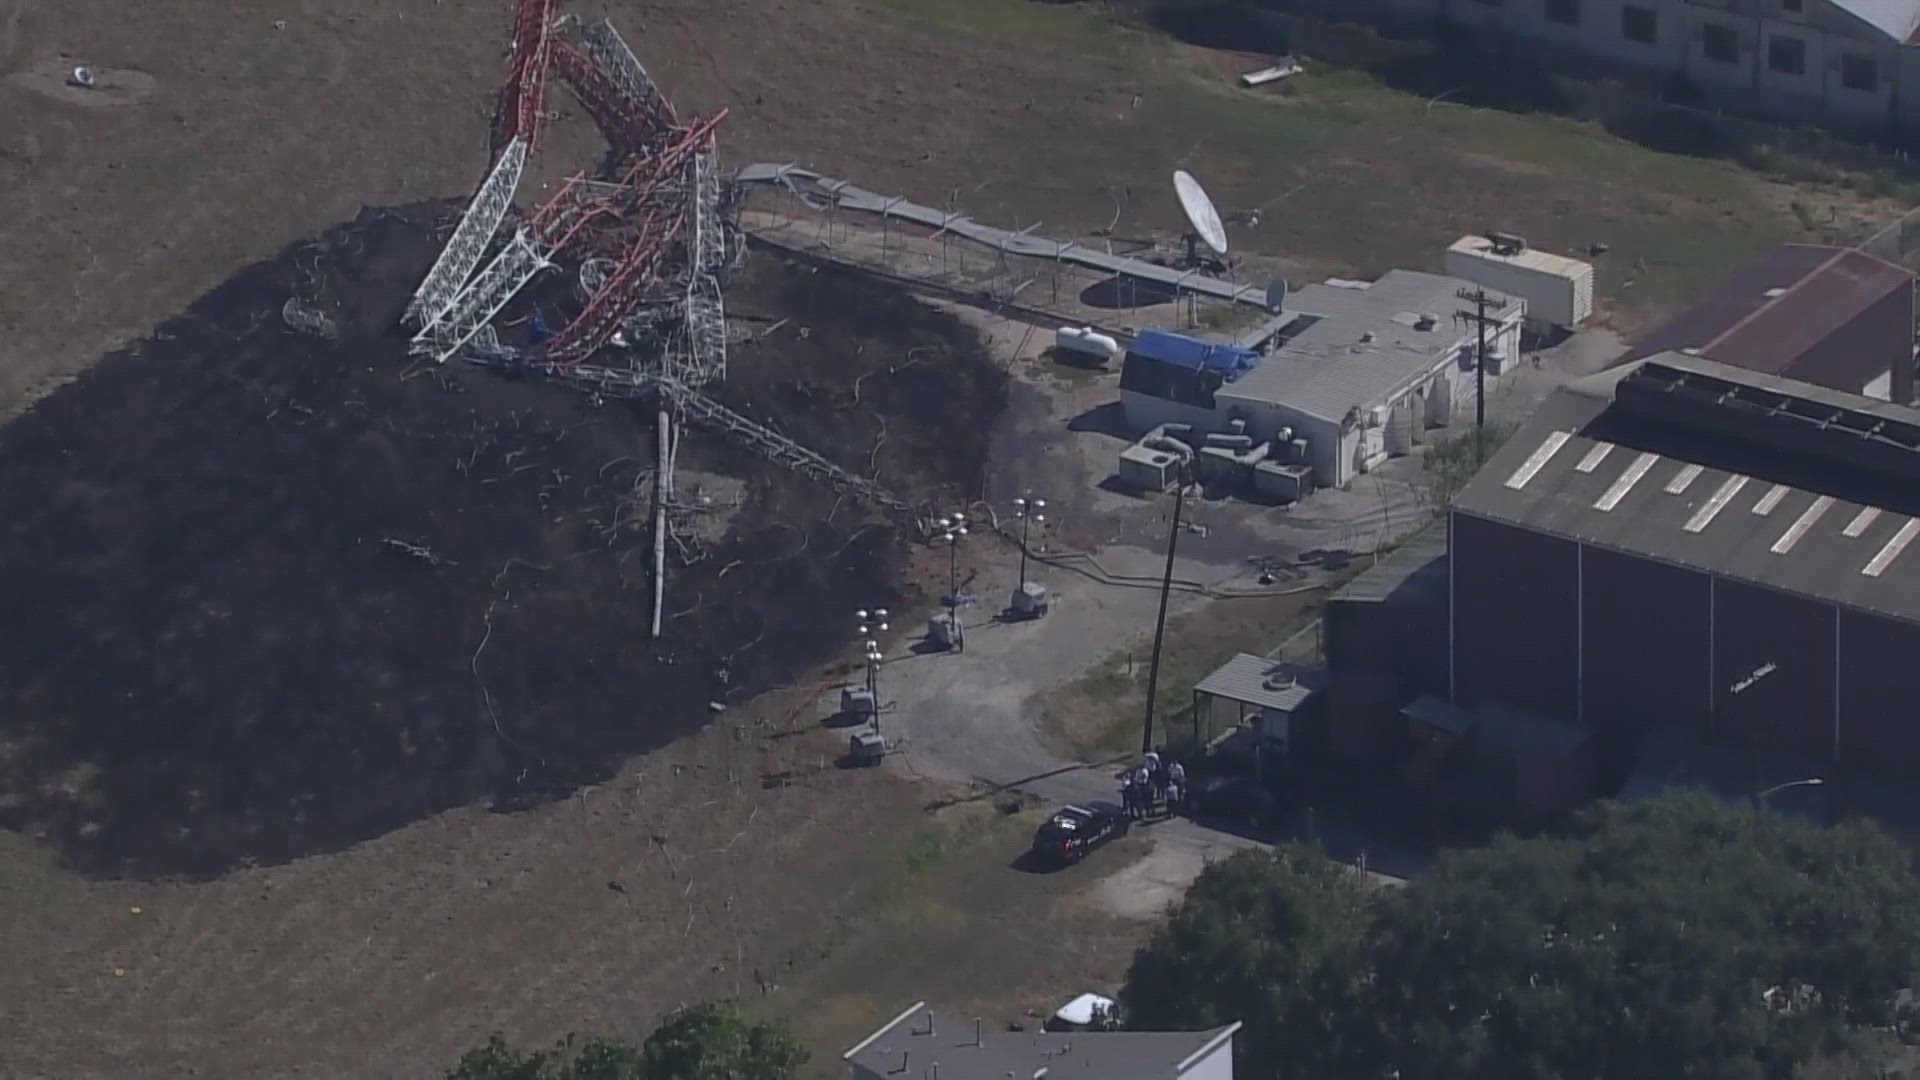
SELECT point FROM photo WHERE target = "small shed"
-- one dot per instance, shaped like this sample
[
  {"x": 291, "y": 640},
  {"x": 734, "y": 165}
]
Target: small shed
[{"x": 1267, "y": 698}]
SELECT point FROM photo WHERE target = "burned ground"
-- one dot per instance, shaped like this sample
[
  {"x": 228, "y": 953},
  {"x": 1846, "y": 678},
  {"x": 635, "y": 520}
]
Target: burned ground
[{"x": 272, "y": 594}]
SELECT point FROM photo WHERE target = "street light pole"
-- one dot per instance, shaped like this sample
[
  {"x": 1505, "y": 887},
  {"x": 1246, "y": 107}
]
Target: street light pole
[
  {"x": 1759, "y": 797},
  {"x": 954, "y": 526}
]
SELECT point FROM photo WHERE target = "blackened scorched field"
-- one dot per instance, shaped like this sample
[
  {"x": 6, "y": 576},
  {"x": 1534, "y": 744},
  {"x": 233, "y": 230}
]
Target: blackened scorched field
[{"x": 267, "y": 594}]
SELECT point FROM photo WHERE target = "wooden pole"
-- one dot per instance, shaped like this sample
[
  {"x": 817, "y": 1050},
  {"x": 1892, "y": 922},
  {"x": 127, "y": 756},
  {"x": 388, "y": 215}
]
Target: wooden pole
[
  {"x": 1160, "y": 623},
  {"x": 662, "y": 485}
]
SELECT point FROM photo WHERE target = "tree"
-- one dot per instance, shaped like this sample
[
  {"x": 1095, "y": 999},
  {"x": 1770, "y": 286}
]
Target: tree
[
  {"x": 1274, "y": 939},
  {"x": 597, "y": 1059},
  {"x": 1452, "y": 460},
  {"x": 1672, "y": 938},
  {"x": 700, "y": 1042},
  {"x": 708, "y": 1042}
]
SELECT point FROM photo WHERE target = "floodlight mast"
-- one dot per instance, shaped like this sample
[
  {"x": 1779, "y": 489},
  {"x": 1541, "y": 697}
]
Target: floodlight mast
[
  {"x": 1029, "y": 510},
  {"x": 952, "y": 528}
]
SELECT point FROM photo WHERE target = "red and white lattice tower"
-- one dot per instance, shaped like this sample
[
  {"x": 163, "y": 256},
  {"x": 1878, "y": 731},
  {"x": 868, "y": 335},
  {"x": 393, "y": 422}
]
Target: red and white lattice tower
[{"x": 646, "y": 232}]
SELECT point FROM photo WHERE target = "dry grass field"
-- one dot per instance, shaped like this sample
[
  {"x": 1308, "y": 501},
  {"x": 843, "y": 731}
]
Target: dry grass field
[{"x": 682, "y": 877}]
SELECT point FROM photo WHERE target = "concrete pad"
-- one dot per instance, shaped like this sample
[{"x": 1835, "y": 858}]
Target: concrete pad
[{"x": 1153, "y": 884}]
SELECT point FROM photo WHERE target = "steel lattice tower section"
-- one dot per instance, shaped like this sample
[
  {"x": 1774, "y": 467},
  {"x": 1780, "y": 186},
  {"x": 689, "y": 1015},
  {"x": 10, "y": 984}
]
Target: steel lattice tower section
[
  {"x": 703, "y": 352},
  {"x": 470, "y": 237},
  {"x": 650, "y": 237},
  {"x": 516, "y": 128}
]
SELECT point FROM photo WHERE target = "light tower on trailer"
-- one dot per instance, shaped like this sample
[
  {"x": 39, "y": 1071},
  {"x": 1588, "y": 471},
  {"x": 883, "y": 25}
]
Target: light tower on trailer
[
  {"x": 1029, "y": 597},
  {"x": 953, "y": 529}
]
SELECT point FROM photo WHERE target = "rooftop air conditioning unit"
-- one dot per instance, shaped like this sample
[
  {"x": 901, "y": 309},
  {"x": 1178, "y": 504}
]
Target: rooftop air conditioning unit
[{"x": 1506, "y": 243}]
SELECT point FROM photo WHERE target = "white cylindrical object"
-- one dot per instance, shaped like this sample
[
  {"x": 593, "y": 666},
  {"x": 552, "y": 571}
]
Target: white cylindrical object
[
  {"x": 83, "y": 76},
  {"x": 1086, "y": 340}
]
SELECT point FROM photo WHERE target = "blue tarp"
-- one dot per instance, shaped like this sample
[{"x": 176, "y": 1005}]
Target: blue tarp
[{"x": 1226, "y": 361}]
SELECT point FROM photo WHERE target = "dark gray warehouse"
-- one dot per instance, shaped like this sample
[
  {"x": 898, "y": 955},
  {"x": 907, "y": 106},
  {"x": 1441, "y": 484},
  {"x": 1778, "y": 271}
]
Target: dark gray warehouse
[{"x": 1682, "y": 542}]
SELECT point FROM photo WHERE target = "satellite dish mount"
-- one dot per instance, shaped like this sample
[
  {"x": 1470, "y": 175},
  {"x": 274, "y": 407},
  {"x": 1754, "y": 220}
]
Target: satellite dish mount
[{"x": 1201, "y": 215}]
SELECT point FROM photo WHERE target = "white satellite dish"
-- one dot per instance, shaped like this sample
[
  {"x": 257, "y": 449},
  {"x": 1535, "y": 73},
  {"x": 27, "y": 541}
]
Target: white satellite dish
[{"x": 1200, "y": 212}]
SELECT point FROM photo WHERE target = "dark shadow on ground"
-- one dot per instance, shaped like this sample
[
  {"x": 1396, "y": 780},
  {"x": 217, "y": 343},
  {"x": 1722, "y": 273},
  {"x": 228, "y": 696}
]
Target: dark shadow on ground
[
  {"x": 1122, "y": 293},
  {"x": 269, "y": 594},
  {"x": 1028, "y": 862},
  {"x": 1113, "y": 485},
  {"x": 1227, "y": 25},
  {"x": 1077, "y": 362},
  {"x": 840, "y": 720},
  {"x": 1109, "y": 419}
]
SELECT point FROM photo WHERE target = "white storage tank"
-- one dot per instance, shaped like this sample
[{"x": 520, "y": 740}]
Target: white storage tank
[
  {"x": 1086, "y": 341},
  {"x": 1558, "y": 291}
]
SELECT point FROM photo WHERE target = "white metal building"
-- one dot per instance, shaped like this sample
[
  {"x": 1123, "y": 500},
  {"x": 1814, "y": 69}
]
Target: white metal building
[
  {"x": 1558, "y": 290},
  {"x": 920, "y": 1043},
  {"x": 1361, "y": 371}
]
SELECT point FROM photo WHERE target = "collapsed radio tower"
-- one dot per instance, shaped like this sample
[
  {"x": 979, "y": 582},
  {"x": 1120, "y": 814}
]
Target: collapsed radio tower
[{"x": 648, "y": 235}]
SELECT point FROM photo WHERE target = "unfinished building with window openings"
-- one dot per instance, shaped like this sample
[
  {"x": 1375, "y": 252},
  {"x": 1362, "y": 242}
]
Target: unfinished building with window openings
[{"x": 1680, "y": 542}]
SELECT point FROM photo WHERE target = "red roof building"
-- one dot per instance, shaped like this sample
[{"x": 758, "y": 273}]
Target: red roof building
[{"x": 1834, "y": 317}]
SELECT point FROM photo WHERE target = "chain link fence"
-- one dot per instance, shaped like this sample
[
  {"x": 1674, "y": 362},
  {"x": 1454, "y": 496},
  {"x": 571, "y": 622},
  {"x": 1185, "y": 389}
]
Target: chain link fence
[{"x": 1050, "y": 289}]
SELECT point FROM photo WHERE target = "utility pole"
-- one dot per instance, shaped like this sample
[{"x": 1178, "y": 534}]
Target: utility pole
[
  {"x": 1160, "y": 623},
  {"x": 1478, "y": 316}
]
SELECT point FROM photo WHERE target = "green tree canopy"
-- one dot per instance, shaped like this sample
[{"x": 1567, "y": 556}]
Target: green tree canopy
[
  {"x": 595, "y": 1059},
  {"x": 1646, "y": 941},
  {"x": 1283, "y": 937},
  {"x": 699, "y": 1042},
  {"x": 1675, "y": 938},
  {"x": 707, "y": 1042}
]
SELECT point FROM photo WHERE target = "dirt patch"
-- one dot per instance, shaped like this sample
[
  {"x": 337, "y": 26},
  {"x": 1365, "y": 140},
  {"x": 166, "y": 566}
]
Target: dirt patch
[
  {"x": 272, "y": 594},
  {"x": 58, "y": 79},
  {"x": 1152, "y": 884},
  {"x": 681, "y": 878},
  {"x": 963, "y": 929}
]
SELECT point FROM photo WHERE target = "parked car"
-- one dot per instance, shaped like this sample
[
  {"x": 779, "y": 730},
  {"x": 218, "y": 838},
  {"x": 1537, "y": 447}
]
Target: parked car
[
  {"x": 1076, "y": 830},
  {"x": 1240, "y": 799}
]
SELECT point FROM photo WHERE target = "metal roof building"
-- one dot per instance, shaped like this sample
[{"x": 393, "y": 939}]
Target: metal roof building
[
  {"x": 1834, "y": 317},
  {"x": 1359, "y": 370},
  {"x": 1359, "y": 346},
  {"x": 1680, "y": 542},
  {"x": 920, "y": 1043}
]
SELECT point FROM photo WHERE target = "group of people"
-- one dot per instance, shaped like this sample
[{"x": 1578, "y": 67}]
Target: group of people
[{"x": 1153, "y": 786}]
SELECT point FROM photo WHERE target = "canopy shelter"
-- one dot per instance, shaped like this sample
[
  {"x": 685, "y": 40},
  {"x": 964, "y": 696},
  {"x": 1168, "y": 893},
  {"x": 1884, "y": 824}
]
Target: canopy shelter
[{"x": 1265, "y": 695}]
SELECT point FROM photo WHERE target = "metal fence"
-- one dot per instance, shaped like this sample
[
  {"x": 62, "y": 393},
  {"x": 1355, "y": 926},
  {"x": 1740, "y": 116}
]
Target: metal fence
[{"x": 943, "y": 261}]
